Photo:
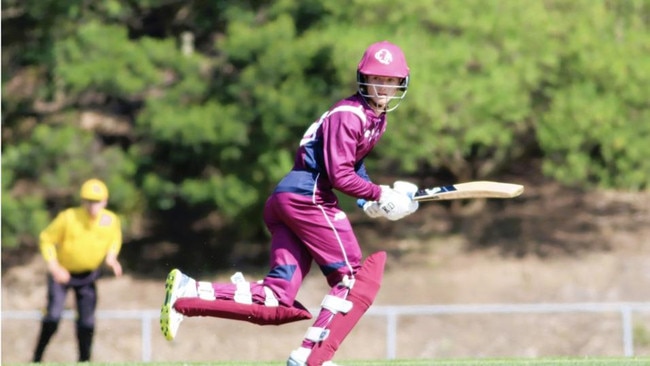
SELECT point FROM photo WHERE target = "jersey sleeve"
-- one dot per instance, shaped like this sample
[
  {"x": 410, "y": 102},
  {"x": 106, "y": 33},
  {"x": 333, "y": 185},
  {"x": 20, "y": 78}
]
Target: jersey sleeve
[
  {"x": 361, "y": 171},
  {"x": 51, "y": 236},
  {"x": 116, "y": 241},
  {"x": 340, "y": 136}
]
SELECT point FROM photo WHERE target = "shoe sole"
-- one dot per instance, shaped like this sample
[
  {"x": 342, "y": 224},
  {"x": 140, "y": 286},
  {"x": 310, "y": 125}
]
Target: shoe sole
[{"x": 166, "y": 309}]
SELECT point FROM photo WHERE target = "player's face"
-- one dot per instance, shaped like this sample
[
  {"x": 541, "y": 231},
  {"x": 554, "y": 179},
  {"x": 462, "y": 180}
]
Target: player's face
[
  {"x": 382, "y": 88},
  {"x": 93, "y": 207}
]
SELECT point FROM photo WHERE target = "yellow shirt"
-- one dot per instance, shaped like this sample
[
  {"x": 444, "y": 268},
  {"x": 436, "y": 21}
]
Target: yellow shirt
[{"x": 80, "y": 243}]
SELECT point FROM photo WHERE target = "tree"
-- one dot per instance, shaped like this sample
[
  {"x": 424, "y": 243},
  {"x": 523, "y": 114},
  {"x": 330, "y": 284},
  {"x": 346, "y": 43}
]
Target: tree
[{"x": 192, "y": 110}]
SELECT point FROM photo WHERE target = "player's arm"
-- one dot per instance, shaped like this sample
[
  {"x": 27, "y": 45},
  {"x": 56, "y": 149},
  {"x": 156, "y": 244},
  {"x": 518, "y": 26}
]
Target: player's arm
[
  {"x": 371, "y": 208},
  {"x": 360, "y": 169},
  {"x": 340, "y": 138},
  {"x": 340, "y": 135}
]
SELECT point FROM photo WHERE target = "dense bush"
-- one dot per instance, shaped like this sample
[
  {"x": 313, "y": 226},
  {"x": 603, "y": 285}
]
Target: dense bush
[{"x": 196, "y": 107}]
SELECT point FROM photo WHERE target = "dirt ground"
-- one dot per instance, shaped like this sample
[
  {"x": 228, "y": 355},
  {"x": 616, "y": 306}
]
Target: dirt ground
[{"x": 592, "y": 247}]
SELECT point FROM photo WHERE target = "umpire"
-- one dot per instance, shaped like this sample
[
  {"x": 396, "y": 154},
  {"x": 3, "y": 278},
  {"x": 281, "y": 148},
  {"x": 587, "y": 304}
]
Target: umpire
[{"x": 74, "y": 246}]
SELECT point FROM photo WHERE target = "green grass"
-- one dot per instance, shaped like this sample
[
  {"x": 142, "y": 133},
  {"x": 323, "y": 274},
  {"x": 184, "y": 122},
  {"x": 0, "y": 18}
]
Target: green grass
[{"x": 568, "y": 361}]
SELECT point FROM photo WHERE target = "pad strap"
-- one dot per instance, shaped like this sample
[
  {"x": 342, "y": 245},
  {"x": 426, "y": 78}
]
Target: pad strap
[
  {"x": 270, "y": 299},
  {"x": 336, "y": 304},
  {"x": 317, "y": 334},
  {"x": 348, "y": 281},
  {"x": 243, "y": 289},
  {"x": 205, "y": 290},
  {"x": 243, "y": 294}
]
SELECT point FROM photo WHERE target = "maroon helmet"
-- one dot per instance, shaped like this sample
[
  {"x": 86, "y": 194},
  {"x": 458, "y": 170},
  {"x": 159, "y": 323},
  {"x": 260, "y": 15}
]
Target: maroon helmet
[{"x": 383, "y": 59}]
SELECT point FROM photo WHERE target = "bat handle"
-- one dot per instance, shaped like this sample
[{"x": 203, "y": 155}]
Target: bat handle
[{"x": 361, "y": 202}]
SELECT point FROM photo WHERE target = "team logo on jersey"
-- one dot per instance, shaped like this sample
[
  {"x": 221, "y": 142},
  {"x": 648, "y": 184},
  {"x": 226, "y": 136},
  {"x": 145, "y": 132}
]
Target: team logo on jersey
[
  {"x": 339, "y": 216},
  {"x": 371, "y": 134},
  {"x": 384, "y": 56},
  {"x": 105, "y": 220}
]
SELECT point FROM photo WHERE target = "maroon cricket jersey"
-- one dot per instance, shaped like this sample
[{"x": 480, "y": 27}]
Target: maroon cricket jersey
[
  {"x": 331, "y": 153},
  {"x": 302, "y": 214}
]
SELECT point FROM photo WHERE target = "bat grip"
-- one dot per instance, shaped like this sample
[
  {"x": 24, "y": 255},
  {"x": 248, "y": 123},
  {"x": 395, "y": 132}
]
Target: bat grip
[{"x": 361, "y": 202}]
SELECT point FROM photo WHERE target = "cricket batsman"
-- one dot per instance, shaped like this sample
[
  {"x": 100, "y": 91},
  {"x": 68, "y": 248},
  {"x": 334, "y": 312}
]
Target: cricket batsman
[{"x": 307, "y": 224}]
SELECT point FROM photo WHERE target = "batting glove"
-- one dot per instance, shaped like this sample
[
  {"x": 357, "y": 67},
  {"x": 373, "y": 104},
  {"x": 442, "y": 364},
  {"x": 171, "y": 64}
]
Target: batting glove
[
  {"x": 371, "y": 208},
  {"x": 408, "y": 189},
  {"x": 395, "y": 205}
]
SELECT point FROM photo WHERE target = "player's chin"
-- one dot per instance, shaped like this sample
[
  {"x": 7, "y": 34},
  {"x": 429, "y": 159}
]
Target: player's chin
[{"x": 381, "y": 101}]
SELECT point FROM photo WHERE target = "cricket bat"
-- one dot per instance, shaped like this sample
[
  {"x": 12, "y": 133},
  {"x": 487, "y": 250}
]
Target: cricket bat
[{"x": 476, "y": 189}]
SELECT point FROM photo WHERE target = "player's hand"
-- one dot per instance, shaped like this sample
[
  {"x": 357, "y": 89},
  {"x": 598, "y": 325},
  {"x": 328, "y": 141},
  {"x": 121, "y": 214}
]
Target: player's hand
[
  {"x": 408, "y": 189},
  {"x": 372, "y": 209},
  {"x": 396, "y": 205}
]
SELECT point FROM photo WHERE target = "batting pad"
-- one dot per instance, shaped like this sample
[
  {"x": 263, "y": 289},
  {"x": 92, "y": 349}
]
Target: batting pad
[
  {"x": 362, "y": 295},
  {"x": 253, "y": 313}
]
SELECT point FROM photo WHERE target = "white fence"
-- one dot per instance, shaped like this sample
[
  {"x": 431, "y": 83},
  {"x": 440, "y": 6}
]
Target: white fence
[{"x": 392, "y": 314}]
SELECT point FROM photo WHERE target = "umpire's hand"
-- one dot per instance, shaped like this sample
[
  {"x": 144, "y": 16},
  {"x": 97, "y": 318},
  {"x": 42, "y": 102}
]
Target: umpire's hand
[
  {"x": 59, "y": 274},
  {"x": 111, "y": 261}
]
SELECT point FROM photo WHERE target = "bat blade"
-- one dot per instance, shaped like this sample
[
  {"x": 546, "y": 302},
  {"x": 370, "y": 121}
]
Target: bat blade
[{"x": 477, "y": 189}]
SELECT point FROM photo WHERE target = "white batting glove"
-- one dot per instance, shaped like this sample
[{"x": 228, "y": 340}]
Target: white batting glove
[
  {"x": 371, "y": 208},
  {"x": 394, "y": 204},
  {"x": 405, "y": 187},
  {"x": 408, "y": 189}
]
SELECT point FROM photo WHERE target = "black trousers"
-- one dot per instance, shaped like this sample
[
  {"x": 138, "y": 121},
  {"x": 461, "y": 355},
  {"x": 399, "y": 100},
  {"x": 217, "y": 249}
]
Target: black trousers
[{"x": 85, "y": 291}]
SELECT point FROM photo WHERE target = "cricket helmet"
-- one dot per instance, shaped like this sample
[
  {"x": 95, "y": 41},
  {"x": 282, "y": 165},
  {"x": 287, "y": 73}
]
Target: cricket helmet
[
  {"x": 383, "y": 59},
  {"x": 94, "y": 190}
]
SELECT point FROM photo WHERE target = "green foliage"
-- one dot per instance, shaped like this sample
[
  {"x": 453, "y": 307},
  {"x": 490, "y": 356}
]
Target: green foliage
[
  {"x": 52, "y": 165},
  {"x": 213, "y": 126},
  {"x": 23, "y": 216},
  {"x": 596, "y": 130},
  {"x": 113, "y": 65},
  {"x": 38, "y": 158},
  {"x": 192, "y": 126}
]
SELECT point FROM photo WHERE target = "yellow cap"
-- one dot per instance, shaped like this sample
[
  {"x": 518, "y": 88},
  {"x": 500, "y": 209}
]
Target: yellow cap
[{"x": 94, "y": 190}]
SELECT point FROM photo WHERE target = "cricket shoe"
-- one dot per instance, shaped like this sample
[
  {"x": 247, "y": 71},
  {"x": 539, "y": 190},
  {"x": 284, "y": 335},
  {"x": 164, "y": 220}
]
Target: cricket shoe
[
  {"x": 298, "y": 357},
  {"x": 177, "y": 285}
]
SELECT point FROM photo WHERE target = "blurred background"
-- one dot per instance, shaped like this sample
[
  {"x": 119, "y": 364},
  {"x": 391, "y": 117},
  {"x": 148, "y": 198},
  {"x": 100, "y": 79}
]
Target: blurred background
[{"x": 191, "y": 111}]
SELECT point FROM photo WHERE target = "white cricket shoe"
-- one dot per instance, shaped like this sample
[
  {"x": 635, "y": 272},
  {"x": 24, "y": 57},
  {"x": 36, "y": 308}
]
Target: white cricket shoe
[
  {"x": 298, "y": 357},
  {"x": 177, "y": 285}
]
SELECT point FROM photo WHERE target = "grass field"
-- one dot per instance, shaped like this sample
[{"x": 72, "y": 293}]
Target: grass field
[{"x": 595, "y": 361}]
